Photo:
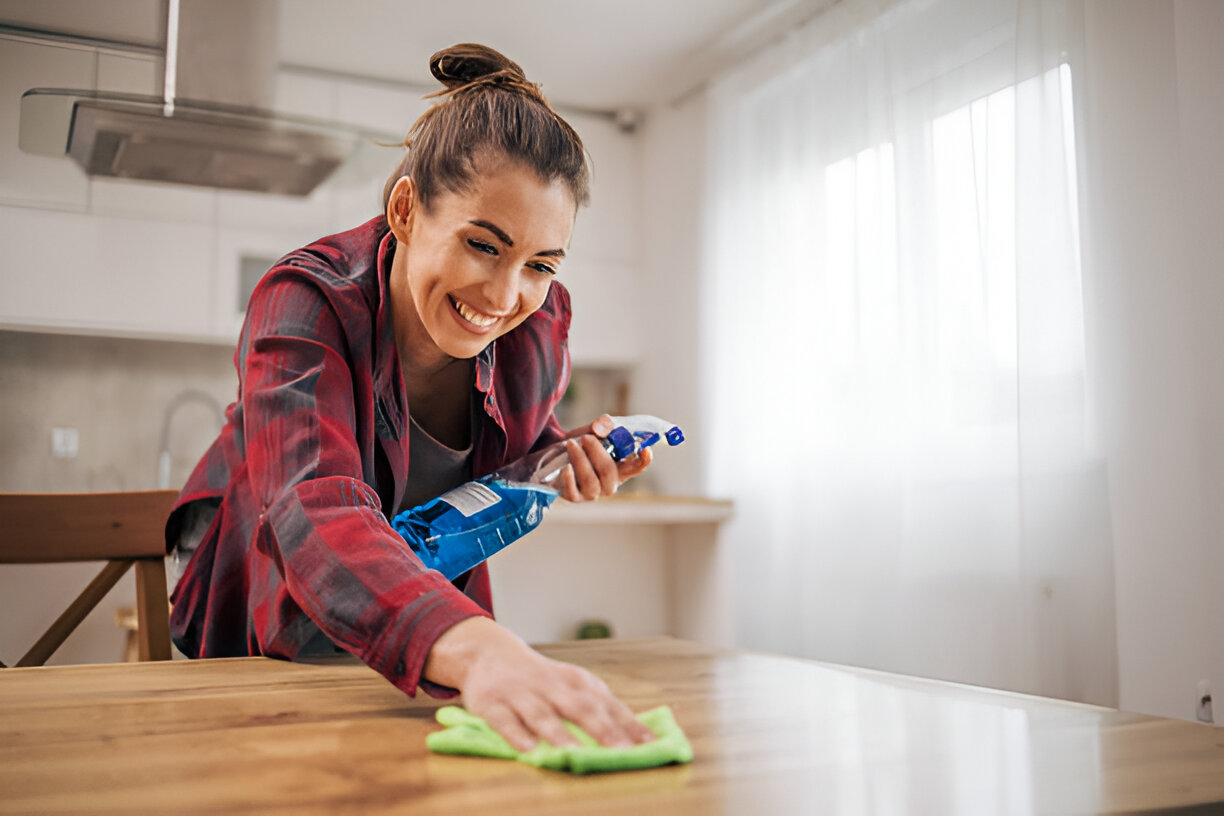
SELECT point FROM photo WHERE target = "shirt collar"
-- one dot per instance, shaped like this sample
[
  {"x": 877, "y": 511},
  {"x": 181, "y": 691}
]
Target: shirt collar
[
  {"x": 484, "y": 368},
  {"x": 388, "y": 380}
]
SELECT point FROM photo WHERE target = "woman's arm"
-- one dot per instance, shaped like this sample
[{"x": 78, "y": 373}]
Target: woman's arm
[{"x": 326, "y": 554}]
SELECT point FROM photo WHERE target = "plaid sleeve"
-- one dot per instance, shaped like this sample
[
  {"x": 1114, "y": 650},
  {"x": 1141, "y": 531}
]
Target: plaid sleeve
[{"x": 320, "y": 524}]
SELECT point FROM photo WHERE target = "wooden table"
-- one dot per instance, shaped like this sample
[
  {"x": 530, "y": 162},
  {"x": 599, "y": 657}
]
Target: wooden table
[{"x": 771, "y": 735}]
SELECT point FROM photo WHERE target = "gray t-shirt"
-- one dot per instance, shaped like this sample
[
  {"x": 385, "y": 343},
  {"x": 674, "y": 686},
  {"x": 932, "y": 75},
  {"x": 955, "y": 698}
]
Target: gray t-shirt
[{"x": 433, "y": 468}]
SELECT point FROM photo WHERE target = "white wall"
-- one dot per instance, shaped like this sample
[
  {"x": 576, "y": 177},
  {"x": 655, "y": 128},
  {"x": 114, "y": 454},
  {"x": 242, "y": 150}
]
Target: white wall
[
  {"x": 669, "y": 380},
  {"x": 1199, "y": 30},
  {"x": 563, "y": 574},
  {"x": 1154, "y": 109}
]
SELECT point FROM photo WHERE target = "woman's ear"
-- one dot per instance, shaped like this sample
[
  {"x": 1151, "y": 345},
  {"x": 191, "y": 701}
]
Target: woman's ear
[{"x": 401, "y": 206}]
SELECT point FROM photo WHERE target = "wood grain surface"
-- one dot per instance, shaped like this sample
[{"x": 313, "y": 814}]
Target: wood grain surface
[
  {"x": 771, "y": 735},
  {"x": 59, "y": 527}
]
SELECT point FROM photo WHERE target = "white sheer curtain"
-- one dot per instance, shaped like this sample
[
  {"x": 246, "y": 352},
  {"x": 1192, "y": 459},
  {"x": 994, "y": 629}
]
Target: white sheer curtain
[{"x": 897, "y": 384}]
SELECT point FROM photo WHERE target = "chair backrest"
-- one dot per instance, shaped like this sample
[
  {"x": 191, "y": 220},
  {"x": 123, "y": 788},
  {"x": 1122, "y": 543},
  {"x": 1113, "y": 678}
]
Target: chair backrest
[{"x": 123, "y": 529}]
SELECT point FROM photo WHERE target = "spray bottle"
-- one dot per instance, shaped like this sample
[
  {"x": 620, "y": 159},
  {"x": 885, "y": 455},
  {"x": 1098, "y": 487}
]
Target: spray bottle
[{"x": 464, "y": 526}]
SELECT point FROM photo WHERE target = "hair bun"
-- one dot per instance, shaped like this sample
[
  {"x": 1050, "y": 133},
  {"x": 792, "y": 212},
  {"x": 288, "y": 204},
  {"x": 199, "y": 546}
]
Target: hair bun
[{"x": 468, "y": 63}]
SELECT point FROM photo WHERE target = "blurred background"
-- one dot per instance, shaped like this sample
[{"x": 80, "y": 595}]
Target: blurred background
[{"x": 933, "y": 287}]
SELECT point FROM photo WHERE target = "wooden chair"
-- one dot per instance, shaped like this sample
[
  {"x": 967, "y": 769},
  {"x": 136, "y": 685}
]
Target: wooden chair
[{"x": 123, "y": 529}]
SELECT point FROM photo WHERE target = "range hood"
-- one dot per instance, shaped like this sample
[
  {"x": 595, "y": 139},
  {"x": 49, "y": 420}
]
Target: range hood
[{"x": 211, "y": 127}]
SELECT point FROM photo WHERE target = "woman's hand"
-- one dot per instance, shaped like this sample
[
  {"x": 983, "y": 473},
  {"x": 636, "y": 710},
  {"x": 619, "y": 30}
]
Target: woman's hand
[
  {"x": 523, "y": 695},
  {"x": 592, "y": 471}
]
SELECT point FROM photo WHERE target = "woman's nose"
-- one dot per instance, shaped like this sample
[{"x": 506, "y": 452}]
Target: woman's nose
[{"x": 502, "y": 289}]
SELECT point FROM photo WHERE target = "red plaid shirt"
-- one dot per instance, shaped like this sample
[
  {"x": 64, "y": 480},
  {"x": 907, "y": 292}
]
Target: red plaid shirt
[{"x": 300, "y": 557}]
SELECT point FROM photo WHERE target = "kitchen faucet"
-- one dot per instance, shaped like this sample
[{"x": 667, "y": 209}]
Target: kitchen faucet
[{"x": 179, "y": 400}]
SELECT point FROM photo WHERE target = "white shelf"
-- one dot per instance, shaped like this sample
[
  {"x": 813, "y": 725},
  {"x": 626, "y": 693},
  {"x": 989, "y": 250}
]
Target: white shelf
[{"x": 641, "y": 509}]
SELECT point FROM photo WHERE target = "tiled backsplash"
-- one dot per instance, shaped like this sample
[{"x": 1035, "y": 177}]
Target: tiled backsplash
[{"x": 115, "y": 393}]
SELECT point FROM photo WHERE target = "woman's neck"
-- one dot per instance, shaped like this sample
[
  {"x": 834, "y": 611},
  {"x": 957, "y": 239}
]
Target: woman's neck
[{"x": 442, "y": 402}]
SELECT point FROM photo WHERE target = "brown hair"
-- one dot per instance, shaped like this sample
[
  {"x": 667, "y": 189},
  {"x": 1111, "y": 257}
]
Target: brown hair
[{"x": 490, "y": 110}]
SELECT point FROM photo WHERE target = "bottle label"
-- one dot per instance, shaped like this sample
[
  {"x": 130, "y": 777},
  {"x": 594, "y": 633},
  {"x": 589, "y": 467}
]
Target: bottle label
[{"x": 470, "y": 498}]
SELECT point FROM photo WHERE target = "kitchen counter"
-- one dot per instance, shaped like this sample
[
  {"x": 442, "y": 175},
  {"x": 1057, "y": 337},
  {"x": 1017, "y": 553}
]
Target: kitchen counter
[
  {"x": 641, "y": 508},
  {"x": 770, "y": 735}
]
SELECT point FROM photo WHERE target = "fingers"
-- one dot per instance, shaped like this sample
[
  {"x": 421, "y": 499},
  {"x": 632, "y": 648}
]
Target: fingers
[
  {"x": 528, "y": 698},
  {"x": 628, "y": 468},
  {"x": 592, "y": 471},
  {"x": 601, "y": 427},
  {"x": 588, "y": 703},
  {"x": 622, "y": 716},
  {"x": 609, "y": 721},
  {"x": 542, "y": 719},
  {"x": 625, "y": 720},
  {"x": 568, "y": 486},
  {"x": 506, "y": 722}
]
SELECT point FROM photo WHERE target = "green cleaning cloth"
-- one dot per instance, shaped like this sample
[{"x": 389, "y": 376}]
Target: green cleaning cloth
[{"x": 470, "y": 735}]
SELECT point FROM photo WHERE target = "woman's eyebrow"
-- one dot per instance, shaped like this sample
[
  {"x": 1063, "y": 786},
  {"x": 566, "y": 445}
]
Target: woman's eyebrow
[
  {"x": 505, "y": 239},
  {"x": 496, "y": 230}
]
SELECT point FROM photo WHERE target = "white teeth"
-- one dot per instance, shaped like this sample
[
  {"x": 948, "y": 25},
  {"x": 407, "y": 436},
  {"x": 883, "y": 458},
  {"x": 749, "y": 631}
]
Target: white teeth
[{"x": 472, "y": 316}]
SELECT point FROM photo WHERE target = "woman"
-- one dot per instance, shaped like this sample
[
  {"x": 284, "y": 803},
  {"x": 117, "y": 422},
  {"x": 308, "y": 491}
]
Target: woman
[{"x": 380, "y": 367}]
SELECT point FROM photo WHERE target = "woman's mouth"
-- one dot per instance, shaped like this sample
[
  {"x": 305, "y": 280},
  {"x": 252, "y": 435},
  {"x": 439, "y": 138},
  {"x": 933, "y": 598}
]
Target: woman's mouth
[{"x": 478, "y": 319}]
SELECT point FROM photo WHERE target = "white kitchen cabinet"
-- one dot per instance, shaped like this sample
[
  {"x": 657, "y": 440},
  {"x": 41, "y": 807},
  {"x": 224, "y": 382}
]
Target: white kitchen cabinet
[
  {"x": 381, "y": 108},
  {"x": 602, "y": 270},
  {"x": 27, "y": 179},
  {"x": 152, "y": 202},
  {"x": 105, "y": 275},
  {"x": 305, "y": 95},
  {"x": 608, "y": 228},
  {"x": 386, "y": 111},
  {"x": 306, "y": 215},
  {"x": 356, "y": 200},
  {"x": 606, "y": 328},
  {"x": 98, "y": 256},
  {"x": 253, "y": 250},
  {"x": 130, "y": 73}
]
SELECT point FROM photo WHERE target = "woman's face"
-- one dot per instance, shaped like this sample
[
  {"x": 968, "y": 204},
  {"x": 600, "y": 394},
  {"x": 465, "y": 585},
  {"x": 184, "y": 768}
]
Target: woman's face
[{"x": 477, "y": 263}]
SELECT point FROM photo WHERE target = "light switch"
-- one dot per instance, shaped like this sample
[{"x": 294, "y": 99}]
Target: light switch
[{"x": 64, "y": 443}]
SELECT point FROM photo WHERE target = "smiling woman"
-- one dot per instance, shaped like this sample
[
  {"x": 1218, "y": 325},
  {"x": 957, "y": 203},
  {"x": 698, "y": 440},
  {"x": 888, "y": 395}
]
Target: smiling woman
[
  {"x": 380, "y": 367},
  {"x": 475, "y": 265}
]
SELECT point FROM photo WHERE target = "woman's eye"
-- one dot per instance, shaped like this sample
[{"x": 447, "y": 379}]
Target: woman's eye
[
  {"x": 481, "y": 246},
  {"x": 542, "y": 267}
]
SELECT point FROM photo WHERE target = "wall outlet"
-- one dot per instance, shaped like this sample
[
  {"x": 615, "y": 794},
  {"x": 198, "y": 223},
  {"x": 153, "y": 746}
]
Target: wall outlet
[
  {"x": 64, "y": 443},
  {"x": 1203, "y": 709}
]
